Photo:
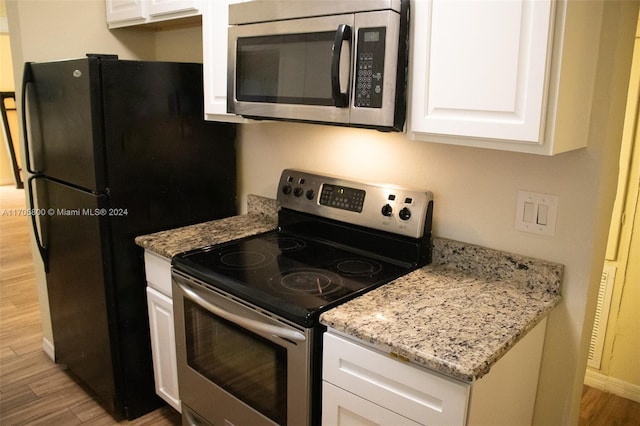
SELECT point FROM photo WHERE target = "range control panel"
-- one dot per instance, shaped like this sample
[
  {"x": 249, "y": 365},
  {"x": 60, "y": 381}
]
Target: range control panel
[{"x": 384, "y": 207}]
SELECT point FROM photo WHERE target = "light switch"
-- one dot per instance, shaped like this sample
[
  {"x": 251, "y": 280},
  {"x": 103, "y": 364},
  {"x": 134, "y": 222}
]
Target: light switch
[
  {"x": 543, "y": 211},
  {"x": 536, "y": 213},
  {"x": 529, "y": 209}
]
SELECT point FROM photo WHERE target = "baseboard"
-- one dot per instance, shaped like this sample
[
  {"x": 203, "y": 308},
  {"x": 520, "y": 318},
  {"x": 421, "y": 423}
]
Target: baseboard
[
  {"x": 48, "y": 349},
  {"x": 612, "y": 385}
]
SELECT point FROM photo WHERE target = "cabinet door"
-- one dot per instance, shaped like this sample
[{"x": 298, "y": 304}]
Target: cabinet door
[
  {"x": 163, "y": 347},
  {"x": 413, "y": 392},
  {"x": 164, "y": 7},
  {"x": 215, "y": 21},
  {"x": 342, "y": 408},
  {"x": 479, "y": 68},
  {"x": 126, "y": 10}
]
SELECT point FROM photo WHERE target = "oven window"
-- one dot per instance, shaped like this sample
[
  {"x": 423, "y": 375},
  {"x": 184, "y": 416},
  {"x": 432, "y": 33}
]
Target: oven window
[
  {"x": 244, "y": 364},
  {"x": 289, "y": 68}
]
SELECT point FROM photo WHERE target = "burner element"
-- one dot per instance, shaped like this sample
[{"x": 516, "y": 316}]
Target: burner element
[
  {"x": 245, "y": 259},
  {"x": 359, "y": 267},
  {"x": 286, "y": 243},
  {"x": 308, "y": 281}
]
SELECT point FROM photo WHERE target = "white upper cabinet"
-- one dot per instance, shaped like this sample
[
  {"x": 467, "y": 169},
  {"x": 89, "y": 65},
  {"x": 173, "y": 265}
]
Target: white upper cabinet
[
  {"x": 131, "y": 12},
  {"x": 215, "y": 25},
  {"x": 168, "y": 7},
  {"x": 124, "y": 13},
  {"x": 515, "y": 75},
  {"x": 484, "y": 67}
]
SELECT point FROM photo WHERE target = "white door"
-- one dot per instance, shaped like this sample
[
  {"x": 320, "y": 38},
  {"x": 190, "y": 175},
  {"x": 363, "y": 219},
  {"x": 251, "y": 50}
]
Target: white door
[
  {"x": 479, "y": 68},
  {"x": 163, "y": 347}
]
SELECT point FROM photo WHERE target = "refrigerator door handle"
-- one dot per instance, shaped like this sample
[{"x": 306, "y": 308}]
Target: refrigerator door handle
[
  {"x": 27, "y": 77},
  {"x": 44, "y": 252}
]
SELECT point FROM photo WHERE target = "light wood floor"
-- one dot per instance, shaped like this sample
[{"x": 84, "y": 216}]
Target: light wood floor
[{"x": 35, "y": 391}]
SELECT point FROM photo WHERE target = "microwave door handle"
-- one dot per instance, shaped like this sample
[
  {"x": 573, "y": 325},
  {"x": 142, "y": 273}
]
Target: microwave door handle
[
  {"x": 340, "y": 99},
  {"x": 247, "y": 323}
]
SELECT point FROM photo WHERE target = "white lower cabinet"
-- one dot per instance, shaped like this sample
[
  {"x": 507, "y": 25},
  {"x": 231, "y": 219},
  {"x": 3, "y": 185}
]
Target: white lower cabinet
[
  {"x": 163, "y": 342},
  {"x": 403, "y": 389},
  {"x": 364, "y": 386},
  {"x": 342, "y": 408}
]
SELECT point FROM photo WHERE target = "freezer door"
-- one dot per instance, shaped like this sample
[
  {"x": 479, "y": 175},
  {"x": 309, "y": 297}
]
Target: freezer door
[
  {"x": 63, "y": 121},
  {"x": 165, "y": 164}
]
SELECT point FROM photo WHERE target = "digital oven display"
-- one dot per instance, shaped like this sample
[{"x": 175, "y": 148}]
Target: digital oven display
[{"x": 342, "y": 197}]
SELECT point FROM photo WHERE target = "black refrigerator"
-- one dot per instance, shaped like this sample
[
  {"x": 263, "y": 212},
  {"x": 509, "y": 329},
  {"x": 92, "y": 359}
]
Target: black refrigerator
[{"x": 116, "y": 149}]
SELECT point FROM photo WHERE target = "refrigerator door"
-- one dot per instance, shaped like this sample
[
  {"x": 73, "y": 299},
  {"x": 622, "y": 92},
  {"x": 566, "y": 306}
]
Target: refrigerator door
[
  {"x": 73, "y": 232},
  {"x": 63, "y": 119}
]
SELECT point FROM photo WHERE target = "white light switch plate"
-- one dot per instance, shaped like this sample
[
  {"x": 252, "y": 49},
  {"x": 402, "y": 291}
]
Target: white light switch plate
[{"x": 536, "y": 213}]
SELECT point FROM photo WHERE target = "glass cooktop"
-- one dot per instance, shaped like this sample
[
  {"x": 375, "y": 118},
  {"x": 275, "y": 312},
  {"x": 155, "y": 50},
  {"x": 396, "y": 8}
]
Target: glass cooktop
[{"x": 291, "y": 276}]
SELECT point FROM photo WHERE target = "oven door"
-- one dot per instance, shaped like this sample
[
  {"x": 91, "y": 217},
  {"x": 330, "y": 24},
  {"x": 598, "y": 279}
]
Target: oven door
[
  {"x": 236, "y": 365},
  {"x": 296, "y": 69}
]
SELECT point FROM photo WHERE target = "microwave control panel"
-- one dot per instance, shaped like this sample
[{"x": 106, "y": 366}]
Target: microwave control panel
[{"x": 370, "y": 67}]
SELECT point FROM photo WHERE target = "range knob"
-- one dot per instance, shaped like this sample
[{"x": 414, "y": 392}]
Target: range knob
[
  {"x": 310, "y": 194},
  {"x": 405, "y": 214},
  {"x": 298, "y": 191},
  {"x": 286, "y": 189},
  {"x": 387, "y": 210}
]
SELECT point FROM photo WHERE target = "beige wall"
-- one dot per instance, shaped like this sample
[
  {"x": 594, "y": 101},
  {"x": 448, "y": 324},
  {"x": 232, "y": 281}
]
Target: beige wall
[{"x": 475, "y": 189}]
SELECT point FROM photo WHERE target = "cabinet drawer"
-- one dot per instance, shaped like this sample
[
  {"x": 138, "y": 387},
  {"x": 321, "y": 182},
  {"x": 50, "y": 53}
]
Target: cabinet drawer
[
  {"x": 158, "y": 272},
  {"x": 406, "y": 389},
  {"x": 342, "y": 408}
]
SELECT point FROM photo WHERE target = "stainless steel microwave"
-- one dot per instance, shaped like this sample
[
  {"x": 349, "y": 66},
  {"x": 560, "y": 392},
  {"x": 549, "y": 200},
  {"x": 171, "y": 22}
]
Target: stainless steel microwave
[{"x": 323, "y": 61}]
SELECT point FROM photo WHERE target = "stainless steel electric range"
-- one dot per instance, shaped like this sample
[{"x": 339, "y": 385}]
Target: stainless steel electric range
[{"x": 248, "y": 337}]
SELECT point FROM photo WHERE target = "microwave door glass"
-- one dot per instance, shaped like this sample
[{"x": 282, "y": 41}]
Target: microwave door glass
[{"x": 285, "y": 69}]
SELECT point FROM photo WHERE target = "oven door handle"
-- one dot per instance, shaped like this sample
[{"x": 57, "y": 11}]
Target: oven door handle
[{"x": 249, "y": 324}]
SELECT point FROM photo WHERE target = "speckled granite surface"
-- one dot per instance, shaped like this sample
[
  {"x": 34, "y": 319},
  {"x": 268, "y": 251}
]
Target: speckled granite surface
[
  {"x": 261, "y": 217},
  {"x": 458, "y": 315}
]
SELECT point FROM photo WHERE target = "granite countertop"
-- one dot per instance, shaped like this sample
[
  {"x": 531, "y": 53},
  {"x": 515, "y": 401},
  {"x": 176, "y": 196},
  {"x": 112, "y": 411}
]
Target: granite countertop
[
  {"x": 458, "y": 315},
  {"x": 261, "y": 217}
]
